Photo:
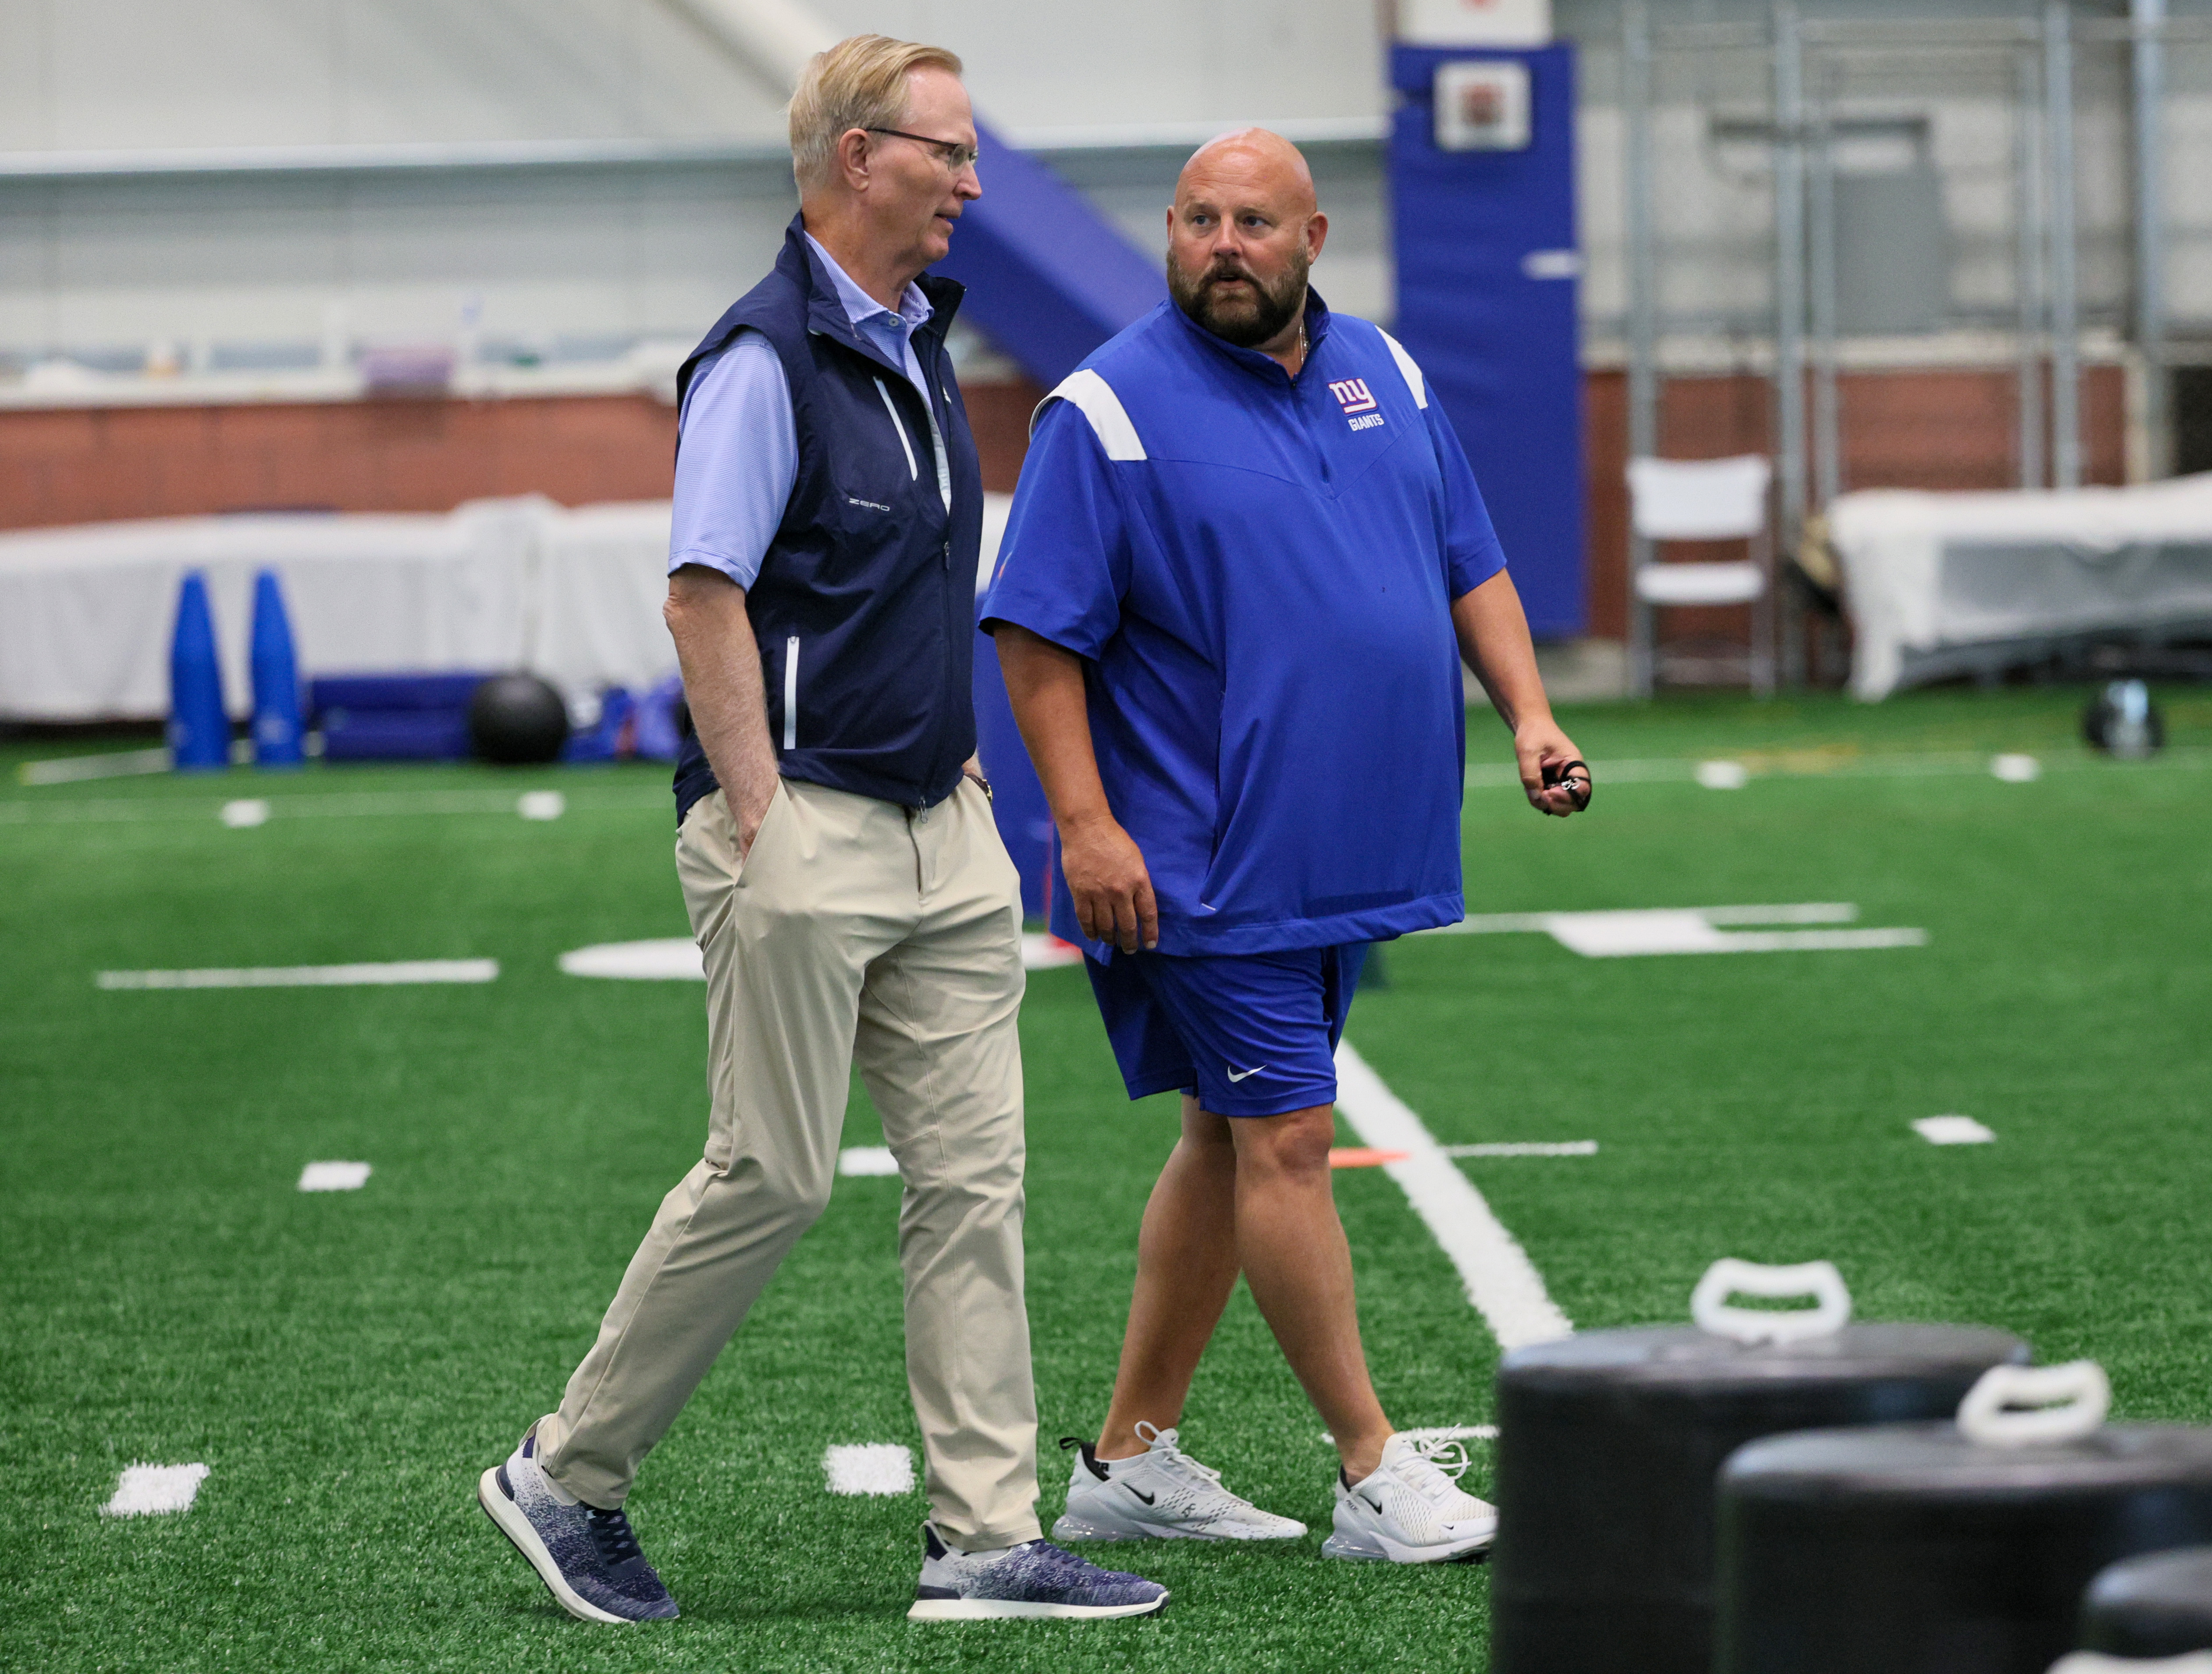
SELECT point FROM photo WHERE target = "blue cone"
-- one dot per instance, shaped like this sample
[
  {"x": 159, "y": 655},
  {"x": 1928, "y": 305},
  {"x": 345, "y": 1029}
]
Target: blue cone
[
  {"x": 199, "y": 730},
  {"x": 276, "y": 724}
]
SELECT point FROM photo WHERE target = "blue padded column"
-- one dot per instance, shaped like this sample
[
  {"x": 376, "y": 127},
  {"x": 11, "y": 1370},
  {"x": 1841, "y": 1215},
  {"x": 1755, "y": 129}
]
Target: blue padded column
[{"x": 1496, "y": 332}]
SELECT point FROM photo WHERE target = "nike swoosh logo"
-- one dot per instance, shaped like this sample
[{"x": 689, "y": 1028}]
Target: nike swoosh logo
[
  {"x": 1138, "y": 1492},
  {"x": 1239, "y": 1074},
  {"x": 1376, "y": 1504}
]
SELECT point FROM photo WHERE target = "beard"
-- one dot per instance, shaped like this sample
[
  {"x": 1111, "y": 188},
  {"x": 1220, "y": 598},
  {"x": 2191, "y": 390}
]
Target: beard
[{"x": 1246, "y": 319}]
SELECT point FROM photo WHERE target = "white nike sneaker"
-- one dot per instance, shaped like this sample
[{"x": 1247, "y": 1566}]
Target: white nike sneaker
[
  {"x": 1413, "y": 1509},
  {"x": 1161, "y": 1493}
]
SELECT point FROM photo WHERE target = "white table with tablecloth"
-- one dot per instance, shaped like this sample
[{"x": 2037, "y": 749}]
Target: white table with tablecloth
[{"x": 1940, "y": 584}]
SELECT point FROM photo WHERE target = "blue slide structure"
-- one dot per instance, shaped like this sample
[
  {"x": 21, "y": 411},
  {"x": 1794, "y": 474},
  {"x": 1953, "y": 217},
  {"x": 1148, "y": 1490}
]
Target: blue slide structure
[
  {"x": 1486, "y": 303},
  {"x": 1048, "y": 276}
]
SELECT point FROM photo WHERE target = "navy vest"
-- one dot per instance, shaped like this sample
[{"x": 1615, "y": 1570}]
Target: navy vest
[{"x": 864, "y": 606}]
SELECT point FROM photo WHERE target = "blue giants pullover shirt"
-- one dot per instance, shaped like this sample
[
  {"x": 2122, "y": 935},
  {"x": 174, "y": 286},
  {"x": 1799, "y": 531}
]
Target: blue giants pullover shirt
[{"x": 1258, "y": 572}]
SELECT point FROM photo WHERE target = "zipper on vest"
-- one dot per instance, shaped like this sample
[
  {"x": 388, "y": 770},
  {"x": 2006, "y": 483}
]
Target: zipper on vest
[
  {"x": 791, "y": 693},
  {"x": 944, "y": 465},
  {"x": 913, "y": 471}
]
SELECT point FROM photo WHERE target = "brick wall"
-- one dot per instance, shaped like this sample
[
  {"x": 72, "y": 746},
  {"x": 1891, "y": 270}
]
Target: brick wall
[
  {"x": 87, "y": 465},
  {"x": 1951, "y": 429},
  {"x": 1947, "y": 429}
]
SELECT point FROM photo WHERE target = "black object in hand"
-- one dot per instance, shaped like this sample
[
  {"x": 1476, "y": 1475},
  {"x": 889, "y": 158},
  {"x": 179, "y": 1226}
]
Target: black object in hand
[{"x": 1573, "y": 776}]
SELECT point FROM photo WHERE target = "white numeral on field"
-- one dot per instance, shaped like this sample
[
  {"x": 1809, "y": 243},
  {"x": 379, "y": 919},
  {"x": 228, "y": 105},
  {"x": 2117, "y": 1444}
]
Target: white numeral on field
[{"x": 146, "y": 1489}]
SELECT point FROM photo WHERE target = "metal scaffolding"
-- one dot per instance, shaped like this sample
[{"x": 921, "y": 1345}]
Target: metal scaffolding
[{"x": 2034, "y": 60}]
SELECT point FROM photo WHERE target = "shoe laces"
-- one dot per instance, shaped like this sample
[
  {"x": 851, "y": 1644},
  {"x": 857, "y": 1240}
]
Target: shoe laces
[
  {"x": 1437, "y": 1465},
  {"x": 1165, "y": 1452},
  {"x": 611, "y": 1537}
]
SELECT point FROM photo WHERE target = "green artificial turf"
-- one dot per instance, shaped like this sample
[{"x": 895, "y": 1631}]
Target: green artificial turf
[{"x": 347, "y": 1362}]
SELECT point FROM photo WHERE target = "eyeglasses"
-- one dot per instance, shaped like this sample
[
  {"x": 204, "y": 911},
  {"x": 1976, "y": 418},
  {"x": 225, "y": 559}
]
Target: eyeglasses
[{"x": 954, "y": 155}]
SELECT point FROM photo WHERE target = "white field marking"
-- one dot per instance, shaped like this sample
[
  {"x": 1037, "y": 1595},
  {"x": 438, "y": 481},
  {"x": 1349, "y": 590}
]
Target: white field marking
[
  {"x": 868, "y": 1467},
  {"x": 76, "y": 769},
  {"x": 2016, "y": 769},
  {"x": 1046, "y": 953},
  {"x": 1526, "y": 1148},
  {"x": 677, "y": 959},
  {"x": 246, "y": 813},
  {"x": 674, "y": 959},
  {"x": 311, "y": 976},
  {"x": 1501, "y": 1280},
  {"x": 1679, "y": 930},
  {"x": 1817, "y": 764},
  {"x": 1953, "y": 1130},
  {"x": 146, "y": 1489},
  {"x": 334, "y": 1176},
  {"x": 542, "y": 805},
  {"x": 1480, "y": 775},
  {"x": 1441, "y": 1432},
  {"x": 340, "y": 804},
  {"x": 866, "y": 1160},
  {"x": 1723, "y": 775}
]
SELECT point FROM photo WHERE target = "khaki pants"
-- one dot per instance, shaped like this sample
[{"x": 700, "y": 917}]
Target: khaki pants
[{"x": 854, "y": 930}]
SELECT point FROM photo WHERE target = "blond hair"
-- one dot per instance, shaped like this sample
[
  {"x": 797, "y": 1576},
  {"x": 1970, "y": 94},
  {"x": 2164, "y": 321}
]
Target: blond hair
[{"x": 859, "y": 82}]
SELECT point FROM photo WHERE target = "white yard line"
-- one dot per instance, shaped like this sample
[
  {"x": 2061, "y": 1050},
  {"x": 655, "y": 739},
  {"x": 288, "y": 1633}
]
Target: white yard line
[
  {"x": 76, "y": 769},
  {"x": 1815, "y": 764},
  {"x": 330, "y": 804},
  {"x": 310, "y": 976},
  {"x": 1482, "y": 775},
  {"x": 866, "y": 1160},
  {"x": 868, "y": 1467},
  {"x": 146, "y": 1489},
  {"x": 664, "y": 959},
  {"x": 677, "y": 959},
  {"x": 1525, "y": 1148},
  {"x": 1501, "y": 1280}
]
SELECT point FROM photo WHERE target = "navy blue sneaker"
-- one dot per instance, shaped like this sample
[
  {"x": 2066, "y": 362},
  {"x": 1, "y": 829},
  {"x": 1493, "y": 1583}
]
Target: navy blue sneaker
[
  {"x": 588, "y": 1558},
  {"x": 1034, "y": 1578}
]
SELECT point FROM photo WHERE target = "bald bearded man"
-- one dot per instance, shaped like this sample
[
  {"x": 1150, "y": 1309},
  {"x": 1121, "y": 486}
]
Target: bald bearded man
[{"x": 1246, "y": 557}]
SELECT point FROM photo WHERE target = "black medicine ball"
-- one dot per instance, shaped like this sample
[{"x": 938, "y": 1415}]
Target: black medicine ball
[{"x": 517, "y": 720}]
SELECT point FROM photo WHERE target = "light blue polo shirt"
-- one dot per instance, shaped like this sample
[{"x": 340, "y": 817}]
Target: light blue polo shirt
[
  {"x": 740, "y": 452},
  {"x": 1259, "y": 572}
]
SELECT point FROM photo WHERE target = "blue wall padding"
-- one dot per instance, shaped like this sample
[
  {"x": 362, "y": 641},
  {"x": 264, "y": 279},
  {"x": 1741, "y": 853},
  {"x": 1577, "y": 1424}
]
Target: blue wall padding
[
  {"x": 199, "y": 726},
  {"x": 1049, "y": 278},
  {"x": 1500, "y": 349},
  {"x": 396, "y": 735},
  {"x": 1018, "y": 801},
  {"x": 393, "y": 691},
  {"x": 276, "y": 726},
  {"x": 393, "y": 717}
]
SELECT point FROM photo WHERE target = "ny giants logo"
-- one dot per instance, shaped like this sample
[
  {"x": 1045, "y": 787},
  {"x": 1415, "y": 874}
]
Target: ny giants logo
[
  {"x": 1358, "y": 403},
  {"x": 1354, "y": 395}
]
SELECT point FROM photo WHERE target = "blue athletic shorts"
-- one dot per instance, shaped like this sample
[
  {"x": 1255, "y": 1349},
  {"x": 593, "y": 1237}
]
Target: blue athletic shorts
[{"x": 1251, "y": 1034}]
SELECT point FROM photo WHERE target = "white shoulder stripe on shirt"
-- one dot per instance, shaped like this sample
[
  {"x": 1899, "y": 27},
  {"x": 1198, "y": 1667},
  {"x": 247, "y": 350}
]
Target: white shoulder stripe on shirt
[
  {"x": 1407, "y": 368},
  {"x": 1094, "y": 398}
]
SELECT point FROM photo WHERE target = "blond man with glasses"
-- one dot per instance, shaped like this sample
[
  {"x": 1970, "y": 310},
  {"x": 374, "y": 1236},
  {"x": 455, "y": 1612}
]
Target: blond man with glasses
[{"x": 845, "y": 881}]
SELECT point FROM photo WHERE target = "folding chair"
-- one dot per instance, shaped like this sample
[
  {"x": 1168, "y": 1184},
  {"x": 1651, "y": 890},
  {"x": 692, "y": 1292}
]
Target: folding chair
[{"x": 1701, "y": 500}]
